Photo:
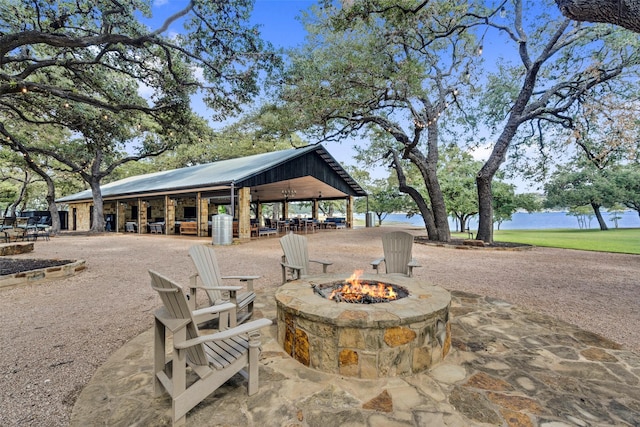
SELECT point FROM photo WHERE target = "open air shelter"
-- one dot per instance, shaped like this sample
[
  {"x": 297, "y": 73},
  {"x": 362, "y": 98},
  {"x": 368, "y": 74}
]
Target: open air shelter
[{"x": 193, "y": 194}]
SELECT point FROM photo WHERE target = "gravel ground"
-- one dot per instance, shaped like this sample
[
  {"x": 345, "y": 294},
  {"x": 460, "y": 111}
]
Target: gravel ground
[{"x": 55, "y": 334}]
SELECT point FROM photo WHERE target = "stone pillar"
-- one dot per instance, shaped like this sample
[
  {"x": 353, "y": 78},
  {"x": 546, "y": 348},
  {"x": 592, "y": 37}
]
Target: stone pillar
[
  {"x": 122, "y": 206},
  {"x": 244, "y": 213},
  {"x": 285, "y": 209},
  {"x": 142, "y": 216},
  {"x": 203, "y": 214},
  {"x": 259, "y": 214},
  {"x": 350, "y": 211},
  {"x": 169, "y": 215},
  {"x": 314, "y": 208}
]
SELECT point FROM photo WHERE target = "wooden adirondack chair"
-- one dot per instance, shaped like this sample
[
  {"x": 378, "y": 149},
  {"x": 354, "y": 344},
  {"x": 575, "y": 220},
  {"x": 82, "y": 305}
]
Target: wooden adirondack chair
[
  {"x": 397, "y": 247},
  {"x": 199, "y": 364},
  {"x": 204, "y": 258},
  {"x": 296, "y": 257}
]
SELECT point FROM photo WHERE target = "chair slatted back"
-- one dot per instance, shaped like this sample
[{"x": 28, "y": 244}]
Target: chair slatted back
[
  {"x": 295, "y": 251},
  {"x": 175, "y": 302},
  {"x": 204, "y": 258},
  {"x": 397, "y": 247}
]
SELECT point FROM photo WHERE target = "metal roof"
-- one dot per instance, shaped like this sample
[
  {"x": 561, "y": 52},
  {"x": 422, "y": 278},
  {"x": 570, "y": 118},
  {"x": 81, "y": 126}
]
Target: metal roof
[{"x": 217, "y": 174}]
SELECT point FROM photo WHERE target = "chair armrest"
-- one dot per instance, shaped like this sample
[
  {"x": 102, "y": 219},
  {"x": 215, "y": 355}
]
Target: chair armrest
[
  {"x": 410, "y": 266},
  {"x": 224, "y": 311},
  {"x": 226, "y": 334},
  {"x": 414, "y": 263},
  {"x": 248, "y": 279},
  {"x": 221, "y": 288},
  {"x": 376, "y": 263},
  {"x": 295, "y": 267},
  {"x": 325, "y": 264},
  {"x": 218, "y": 308}
]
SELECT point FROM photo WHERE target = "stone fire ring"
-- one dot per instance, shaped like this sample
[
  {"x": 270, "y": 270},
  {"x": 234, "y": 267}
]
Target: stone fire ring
[{"x": 397, "y": 338}]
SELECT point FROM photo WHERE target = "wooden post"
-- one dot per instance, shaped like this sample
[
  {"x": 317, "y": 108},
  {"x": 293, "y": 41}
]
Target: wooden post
[{"x": 350, "y": 211}]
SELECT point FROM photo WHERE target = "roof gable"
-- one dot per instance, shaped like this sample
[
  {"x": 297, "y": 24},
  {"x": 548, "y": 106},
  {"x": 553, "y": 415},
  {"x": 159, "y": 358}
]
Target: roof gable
[{"x": 244, "y": 171}]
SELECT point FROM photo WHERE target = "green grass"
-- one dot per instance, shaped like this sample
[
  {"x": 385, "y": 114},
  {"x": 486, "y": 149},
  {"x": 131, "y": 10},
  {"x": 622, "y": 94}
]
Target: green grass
[{"x": 621, "y": 240}]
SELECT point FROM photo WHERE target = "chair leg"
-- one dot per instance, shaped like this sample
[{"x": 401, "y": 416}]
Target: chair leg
[{"x": 254, "y": 353}]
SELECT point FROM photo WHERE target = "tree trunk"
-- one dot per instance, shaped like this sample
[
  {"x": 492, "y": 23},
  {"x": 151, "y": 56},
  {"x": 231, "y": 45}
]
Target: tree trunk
[
  {"x": 485, "y": 205},
  {"x": 51, "y": 203},
  {"x": 625, "y": 13},
  {"x": 428, "y": 166},
  {"x": 601, "y": 221},
  {"x": 97, "y": 226},
  {"x": 427, "y": 215}
]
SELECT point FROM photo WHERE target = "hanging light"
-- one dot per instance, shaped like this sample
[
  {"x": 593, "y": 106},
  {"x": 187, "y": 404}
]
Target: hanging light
[
  {"x": 288, "y": 192},
  {"x": 503, "y": 12},
  {"x": 480, "y": 50}
]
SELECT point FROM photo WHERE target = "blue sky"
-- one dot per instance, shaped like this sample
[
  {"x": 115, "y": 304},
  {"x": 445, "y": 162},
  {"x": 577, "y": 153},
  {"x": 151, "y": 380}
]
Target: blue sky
[{"x": 279, "y": 26}]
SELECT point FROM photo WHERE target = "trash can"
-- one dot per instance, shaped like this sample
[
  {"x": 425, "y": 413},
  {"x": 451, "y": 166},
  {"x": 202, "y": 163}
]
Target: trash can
[
  {"x": 369, "y": 220},
  {"x": 222, "y": 229}
]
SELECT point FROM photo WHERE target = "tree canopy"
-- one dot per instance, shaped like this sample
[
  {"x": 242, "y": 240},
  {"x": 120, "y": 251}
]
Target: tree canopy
[{"x": 97, "y": 69}]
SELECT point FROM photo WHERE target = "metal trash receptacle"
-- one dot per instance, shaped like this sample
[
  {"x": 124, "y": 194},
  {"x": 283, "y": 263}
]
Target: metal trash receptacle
[
  {"x": 222, "y": 229},
  {"x": 369, "y": 220}
]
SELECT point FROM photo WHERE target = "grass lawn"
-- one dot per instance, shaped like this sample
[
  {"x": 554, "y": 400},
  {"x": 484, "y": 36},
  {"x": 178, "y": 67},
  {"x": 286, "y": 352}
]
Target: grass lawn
[{"x": 622, "y": 240}]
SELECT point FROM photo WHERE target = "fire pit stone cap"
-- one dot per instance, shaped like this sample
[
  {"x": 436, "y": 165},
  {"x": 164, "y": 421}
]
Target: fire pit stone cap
[{"x": 299, "y": 298}]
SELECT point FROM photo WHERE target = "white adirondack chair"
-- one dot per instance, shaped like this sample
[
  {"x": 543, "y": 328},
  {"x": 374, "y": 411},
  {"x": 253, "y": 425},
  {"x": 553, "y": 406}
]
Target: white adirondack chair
[
  {"x": 206, "y": 263},
  {"x": 296, "y": 257},
  {"x": 397, "y": 247},
  {"x": 199, "y": 364}
]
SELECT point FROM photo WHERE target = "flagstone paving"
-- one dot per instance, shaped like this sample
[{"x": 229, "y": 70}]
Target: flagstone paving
[{"x": 507, "y": 367}]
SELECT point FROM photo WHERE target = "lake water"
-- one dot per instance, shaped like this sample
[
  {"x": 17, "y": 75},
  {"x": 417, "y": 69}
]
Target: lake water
[{"x": 536, "y": 220}]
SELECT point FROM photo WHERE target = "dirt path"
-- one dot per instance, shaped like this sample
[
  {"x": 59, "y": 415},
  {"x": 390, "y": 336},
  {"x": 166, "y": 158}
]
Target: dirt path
[{"x": 57, "y": 333}]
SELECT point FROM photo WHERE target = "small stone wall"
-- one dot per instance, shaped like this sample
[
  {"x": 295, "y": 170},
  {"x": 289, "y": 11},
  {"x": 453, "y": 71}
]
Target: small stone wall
[
  {"x": 15, "y": 248},
  {"x": 41, "y": 274},
  {"x": 397, "y": 338}
]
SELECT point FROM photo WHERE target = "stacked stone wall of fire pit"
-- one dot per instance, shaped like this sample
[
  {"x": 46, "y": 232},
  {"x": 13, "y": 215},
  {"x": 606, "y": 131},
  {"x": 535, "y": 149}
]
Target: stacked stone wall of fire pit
[{"x": 396, "y": 338}]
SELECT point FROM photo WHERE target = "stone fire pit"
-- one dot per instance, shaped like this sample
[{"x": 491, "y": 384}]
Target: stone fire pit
[{"x": 387, "y": 339}]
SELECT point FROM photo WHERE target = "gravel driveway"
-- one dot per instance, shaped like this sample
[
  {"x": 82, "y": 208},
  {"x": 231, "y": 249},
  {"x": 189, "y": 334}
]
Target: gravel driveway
[{"x": 55, "y": 334}]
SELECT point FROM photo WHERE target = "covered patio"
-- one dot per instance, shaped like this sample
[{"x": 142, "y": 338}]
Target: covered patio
[{"x": 183, "y": 201}]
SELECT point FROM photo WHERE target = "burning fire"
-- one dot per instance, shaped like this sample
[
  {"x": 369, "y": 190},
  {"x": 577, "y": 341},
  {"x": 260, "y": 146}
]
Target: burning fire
[{"x": 354, "y": 290}]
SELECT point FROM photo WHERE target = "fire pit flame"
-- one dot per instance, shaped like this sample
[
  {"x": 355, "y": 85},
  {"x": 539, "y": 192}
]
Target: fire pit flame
[{"x": 354, "y": 290}]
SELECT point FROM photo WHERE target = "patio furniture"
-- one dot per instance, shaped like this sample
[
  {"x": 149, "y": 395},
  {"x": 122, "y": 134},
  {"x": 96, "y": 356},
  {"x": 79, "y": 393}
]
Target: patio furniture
[
  {"x": 131, "y": 227},
  {"x": 397, "y": 247},
  {"x": 198, "y": 364},
  {"x": 156, "y": 228},
  {"x": 206, "y": 263},
  {"x": 296, "y": 257},
  {"x": 189, "y": 227}
]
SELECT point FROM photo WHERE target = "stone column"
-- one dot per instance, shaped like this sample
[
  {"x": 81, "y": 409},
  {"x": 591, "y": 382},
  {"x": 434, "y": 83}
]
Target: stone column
[
  {"x": 259, "y": 214},
  {"x": 142, "y": 216},
  {"x": 169, "y": 215},
  {"x": 203, "y": 214},
  {"x": 314, "y": 208},
  {"x": 121, "y": 216},
  {"x": 244, "y": 213}
]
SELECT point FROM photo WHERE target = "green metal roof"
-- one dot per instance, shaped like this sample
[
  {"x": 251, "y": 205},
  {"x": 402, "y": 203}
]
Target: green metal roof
[{"x": 221, "y": 173}]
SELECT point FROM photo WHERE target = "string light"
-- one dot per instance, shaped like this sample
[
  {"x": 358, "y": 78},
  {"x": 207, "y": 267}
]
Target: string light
[
  {"x": 480, "y": 50},
  {"x": 24, "y": 89},
  {"x": 503, "y": 12}
]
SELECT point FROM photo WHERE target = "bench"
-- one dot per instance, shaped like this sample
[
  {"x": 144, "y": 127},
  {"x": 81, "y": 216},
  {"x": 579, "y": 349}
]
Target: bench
[
  {"x": 190, "y": 227},
  {"x": 267, "y": 232}
]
